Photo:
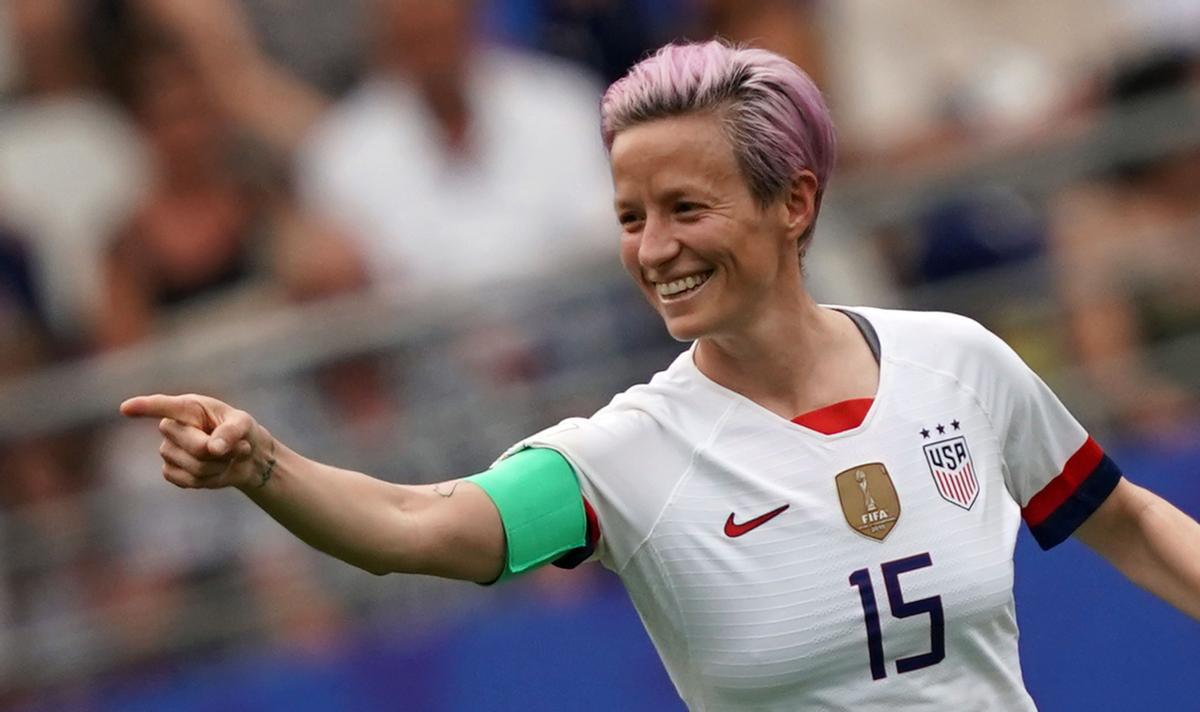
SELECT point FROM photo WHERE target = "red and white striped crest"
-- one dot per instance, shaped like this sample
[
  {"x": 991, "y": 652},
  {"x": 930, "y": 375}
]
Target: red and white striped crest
[{"x": 953, "y": 471}]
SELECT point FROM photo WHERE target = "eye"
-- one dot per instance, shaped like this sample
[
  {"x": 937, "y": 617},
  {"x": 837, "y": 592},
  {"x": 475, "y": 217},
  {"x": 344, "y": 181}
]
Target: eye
[
  {"x": 630, "y": 221},
  {"x": 685, "y": 207}
]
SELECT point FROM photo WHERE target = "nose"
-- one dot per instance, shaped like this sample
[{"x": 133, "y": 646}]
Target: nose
[{"x": 658, "y": 245}]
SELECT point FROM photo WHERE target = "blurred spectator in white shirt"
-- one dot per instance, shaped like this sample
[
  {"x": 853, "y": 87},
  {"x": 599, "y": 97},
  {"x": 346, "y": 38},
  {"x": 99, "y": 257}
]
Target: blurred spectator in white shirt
[
  {"x": 458, "y": 164},
  {"x": 71, "y": 166}
]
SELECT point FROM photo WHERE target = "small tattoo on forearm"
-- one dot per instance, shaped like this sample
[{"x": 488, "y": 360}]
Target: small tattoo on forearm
[
  {"x": 439, "y": 488},
  {"x": 268, "y": 468}
]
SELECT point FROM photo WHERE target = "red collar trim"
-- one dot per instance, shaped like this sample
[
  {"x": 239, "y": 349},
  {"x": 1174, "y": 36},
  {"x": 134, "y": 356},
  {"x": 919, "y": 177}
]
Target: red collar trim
[{"x": 836, "y": 418}]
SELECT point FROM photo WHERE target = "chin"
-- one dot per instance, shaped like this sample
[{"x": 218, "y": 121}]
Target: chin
[{"x": 685, "y": 329}]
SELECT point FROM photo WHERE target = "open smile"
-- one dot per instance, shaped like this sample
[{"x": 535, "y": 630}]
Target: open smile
[{"x": 682, "y": 288}]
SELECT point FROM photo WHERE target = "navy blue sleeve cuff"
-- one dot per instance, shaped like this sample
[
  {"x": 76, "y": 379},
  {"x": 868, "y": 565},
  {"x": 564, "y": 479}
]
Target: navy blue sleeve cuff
[{"x": 1076, "y": 509}]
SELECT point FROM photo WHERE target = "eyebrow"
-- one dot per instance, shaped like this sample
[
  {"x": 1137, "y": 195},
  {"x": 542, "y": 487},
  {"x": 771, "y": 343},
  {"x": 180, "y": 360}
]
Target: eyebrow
[{"x": 669, "y": 195}]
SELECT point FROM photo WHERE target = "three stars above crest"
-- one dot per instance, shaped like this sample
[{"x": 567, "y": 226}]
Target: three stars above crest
[{"x": 941, "y": 429}]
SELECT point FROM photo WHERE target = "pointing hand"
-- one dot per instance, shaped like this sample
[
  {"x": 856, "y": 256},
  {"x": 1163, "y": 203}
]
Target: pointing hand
[{"x": 207, "y": 444}]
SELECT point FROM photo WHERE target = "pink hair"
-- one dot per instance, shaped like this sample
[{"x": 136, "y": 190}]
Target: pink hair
[{"x": 772, "y": 112}]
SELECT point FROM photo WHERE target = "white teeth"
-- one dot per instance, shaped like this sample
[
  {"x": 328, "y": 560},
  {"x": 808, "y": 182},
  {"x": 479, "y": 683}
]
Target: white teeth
[{"x": 667, "y": 289}]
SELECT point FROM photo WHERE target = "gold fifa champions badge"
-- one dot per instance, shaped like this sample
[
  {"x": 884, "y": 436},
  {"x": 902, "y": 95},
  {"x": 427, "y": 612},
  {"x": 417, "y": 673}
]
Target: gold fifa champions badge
[{"x": 869, "y": 500}]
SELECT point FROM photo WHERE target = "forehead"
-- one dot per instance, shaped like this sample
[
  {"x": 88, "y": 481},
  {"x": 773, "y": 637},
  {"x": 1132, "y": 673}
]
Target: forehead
[{"x": 667, "y": 152}]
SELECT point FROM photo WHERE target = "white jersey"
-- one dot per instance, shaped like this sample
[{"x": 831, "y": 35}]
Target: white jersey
[{"x": 779, "y": 568}]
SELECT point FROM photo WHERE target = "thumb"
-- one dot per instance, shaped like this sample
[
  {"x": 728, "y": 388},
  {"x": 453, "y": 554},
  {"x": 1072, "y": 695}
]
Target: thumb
[{"x": 228, "y": 434}]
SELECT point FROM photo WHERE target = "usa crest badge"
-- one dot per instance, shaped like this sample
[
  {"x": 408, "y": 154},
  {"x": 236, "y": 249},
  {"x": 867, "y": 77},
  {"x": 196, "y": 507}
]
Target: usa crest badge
[
  {"x": 869, "y": 500},
  {"x": 953, "y": 471}
]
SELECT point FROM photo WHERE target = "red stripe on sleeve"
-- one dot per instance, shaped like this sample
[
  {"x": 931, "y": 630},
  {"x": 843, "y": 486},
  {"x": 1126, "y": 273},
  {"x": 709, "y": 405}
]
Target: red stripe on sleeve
[
  {"x": 593, "y": 524},
  {"x": 1059, "y": 489}
]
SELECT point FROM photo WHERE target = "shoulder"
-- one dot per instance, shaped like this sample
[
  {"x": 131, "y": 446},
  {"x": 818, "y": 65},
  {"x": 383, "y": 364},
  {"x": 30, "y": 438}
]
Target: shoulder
[
  {"x": 631, "y": 454},
  {"x": 960, "y": 353},
  {"x": 660, "y": 420},
  {"x": 957, "y": 352},
  {"x": 937, "y": 340},
  {"x": 901, "y": 323}
]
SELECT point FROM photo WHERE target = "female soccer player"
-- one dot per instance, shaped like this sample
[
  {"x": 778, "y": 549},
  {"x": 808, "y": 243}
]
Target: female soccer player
[{"x": 812, "y": 507}]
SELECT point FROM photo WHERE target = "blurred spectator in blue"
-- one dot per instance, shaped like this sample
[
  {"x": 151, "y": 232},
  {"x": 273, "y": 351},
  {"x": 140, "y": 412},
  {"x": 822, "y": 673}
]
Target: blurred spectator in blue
[
  {"x": 968, "y": 233},
  {"x": 71, "y": 166},
  {"x": 1126, "y": 246}
]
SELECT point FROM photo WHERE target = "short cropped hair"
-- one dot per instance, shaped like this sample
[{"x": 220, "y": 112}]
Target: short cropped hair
[{"x": 771, "y": 110}]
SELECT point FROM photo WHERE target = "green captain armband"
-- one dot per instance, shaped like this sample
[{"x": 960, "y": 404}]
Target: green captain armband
[{"x": 540, "y": 505}]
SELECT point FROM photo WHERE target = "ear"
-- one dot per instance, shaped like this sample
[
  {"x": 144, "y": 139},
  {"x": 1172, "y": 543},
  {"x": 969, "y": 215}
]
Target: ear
[{"x": 800, "y": 205}]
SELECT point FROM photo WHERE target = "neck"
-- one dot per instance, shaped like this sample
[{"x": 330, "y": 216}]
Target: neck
[{"x": 793, "y": 361}]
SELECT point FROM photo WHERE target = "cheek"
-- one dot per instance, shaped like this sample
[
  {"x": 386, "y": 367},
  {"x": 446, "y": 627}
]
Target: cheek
[{"x": 629, "y": 255}]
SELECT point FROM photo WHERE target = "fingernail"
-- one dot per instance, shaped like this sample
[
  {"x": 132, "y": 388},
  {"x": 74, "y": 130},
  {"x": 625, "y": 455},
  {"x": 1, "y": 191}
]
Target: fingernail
[{"x": 218, "y": 446}]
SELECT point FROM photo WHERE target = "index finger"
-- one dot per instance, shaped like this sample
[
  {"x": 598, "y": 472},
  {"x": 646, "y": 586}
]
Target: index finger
[{"x": 185, "y": 409}]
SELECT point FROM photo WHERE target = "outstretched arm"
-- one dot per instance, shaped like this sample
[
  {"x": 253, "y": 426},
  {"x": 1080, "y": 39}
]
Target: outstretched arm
[
  {"x": 1154, "y": 544},
  {"x": 451, "y": 529}
]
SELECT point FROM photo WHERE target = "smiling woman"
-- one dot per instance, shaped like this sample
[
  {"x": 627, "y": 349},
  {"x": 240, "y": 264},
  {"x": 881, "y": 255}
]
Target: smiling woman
[
  {"x": 762, "y": 494},
  {"x": 691, "y": 227}
]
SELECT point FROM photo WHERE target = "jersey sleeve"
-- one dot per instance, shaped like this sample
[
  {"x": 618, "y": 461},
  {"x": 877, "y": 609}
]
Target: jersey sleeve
[
  {"x": 1054, "y": 470},
  {"x": 626, "y": 469}
]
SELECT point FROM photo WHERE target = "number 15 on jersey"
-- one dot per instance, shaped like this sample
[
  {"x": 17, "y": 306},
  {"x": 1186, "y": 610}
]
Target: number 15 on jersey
[{"x": 900, "y": 609}]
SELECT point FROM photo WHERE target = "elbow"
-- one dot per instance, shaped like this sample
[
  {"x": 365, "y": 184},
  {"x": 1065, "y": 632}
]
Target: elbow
[
  {"x": 399, "y": 542},
  {"x": 377, "y": 558},
  {"x": 395, "y": 560},
  {"x": 384, "y": 563}
]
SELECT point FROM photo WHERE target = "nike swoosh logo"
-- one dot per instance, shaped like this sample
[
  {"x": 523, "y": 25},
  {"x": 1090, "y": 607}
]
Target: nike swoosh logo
[{"x": 733, "y": 529}]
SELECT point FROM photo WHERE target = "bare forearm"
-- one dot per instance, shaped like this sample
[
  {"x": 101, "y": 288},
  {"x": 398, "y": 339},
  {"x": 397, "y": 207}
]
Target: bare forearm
[
  {"x": 1154, "y": 544},
  {"x": 451, "y": 529},
  {"x": 358, "y": 519},
  {"x": 1171, "y": 565}
]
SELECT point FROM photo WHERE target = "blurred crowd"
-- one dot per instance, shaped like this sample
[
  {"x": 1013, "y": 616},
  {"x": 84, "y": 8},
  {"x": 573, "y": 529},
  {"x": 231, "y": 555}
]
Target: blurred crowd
[{"x": 168, "y": 166}]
